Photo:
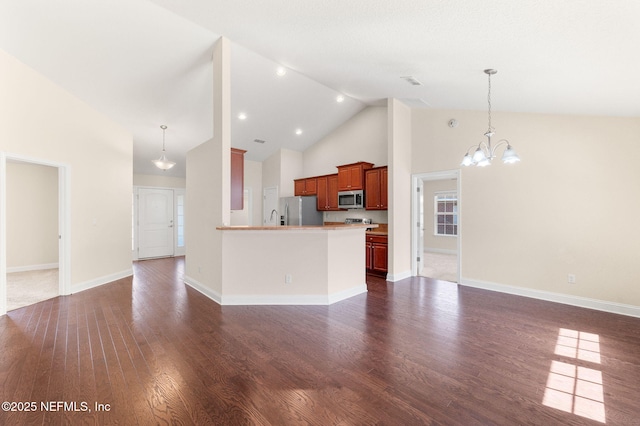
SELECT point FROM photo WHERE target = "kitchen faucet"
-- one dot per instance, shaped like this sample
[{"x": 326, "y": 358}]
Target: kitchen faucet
[{"x": 272, "y": 212}]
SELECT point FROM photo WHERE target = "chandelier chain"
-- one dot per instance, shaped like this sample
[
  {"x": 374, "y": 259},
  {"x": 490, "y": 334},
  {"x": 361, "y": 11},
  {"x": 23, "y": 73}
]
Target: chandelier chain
[{"x": 489, "y": 102}]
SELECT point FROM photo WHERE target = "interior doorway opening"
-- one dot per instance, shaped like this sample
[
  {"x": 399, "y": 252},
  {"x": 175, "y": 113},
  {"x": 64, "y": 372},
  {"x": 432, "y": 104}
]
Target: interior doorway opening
[
  {"x": 437, "y": 231},
  {"x": 34, "y": 224}
]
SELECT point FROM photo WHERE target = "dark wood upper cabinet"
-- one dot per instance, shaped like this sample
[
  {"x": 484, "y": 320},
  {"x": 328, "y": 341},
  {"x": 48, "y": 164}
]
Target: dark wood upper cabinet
[
  {"x": 237, "y": 179},
  {"x": 376, "y": 188},
  {"x": 351, "y": 176},
  {"x": 306, "y": 186},
  {"x": 328, "y": 193}
]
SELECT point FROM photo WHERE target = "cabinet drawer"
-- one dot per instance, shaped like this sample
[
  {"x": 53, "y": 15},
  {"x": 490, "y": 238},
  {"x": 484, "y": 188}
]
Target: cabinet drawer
[{"x": 380, "y": 239}]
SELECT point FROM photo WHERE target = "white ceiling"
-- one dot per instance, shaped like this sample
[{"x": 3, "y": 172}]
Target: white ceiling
[{"x": 146, "y": 63}]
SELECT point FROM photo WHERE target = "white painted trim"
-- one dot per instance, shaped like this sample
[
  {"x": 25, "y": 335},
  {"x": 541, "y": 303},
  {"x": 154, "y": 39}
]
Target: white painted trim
[
  {"x": 27, "y": 268},
  {"x": 284, "y": 299},
  {"x": 345, "y": 294},
  {"x": 3, "y": 233},
  {"x": 400, "y": 276},
  {"x": 106, "y": 279},
  {"x": 415, "y": 211},
  {"x": 439, "y": 250},
  {"x": 64, "y": 229},
  {"x": 198, "y": 286},
  {"x": 582, "y": 302},
  {"x": 64, "y": 223}
]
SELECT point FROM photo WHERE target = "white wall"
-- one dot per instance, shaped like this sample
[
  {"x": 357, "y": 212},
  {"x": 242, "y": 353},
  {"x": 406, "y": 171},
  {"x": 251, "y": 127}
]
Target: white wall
[
  {"x": 159, "y": 181},
  {"x": 434, "y": 242},
  {"x": 569, "y": 207},
  {"x": 400, "y": 157},
  {"x": 208, "y": 191},
  {"x": 280, "y": 169},
  {"x": 361, "y": 138},
  {"x": 253, "y": 180},
  {"x": 42, "y": 121},
  {"x": 32, "y": 215}
]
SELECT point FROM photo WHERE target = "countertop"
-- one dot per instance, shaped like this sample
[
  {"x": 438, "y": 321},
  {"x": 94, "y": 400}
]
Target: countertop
[{"x": 332, "y": 227}]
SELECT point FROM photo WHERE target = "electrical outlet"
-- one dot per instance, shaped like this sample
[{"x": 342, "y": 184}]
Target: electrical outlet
[
  {"x": 571, "y": 279},
  {"x": 287, "y": 279}
]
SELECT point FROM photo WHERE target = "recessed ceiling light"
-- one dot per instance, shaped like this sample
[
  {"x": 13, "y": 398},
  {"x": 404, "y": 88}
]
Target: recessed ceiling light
[
  {"x": 340, "y": 99},
  {"x": 242, "y": 116},
  {"x": 281, "y": 71},
  {"x": 298, "y": 131}
]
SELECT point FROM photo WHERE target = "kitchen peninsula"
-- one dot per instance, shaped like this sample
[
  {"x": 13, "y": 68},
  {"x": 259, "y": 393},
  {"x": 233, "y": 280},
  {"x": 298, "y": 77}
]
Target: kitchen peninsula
[{"x": 293, "y": 265}]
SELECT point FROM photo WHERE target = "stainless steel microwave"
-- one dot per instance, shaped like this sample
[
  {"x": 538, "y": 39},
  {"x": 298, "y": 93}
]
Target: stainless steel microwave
[{"x": 351, "y": 199}]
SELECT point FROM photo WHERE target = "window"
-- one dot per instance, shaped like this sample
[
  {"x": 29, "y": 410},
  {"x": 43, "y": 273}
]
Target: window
[
  {"x": 180, "y": 217},
  {"x": 446, "y": 213}
]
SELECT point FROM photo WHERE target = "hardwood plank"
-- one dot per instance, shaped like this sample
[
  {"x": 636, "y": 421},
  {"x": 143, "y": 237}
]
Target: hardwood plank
[{"x": 414, "y": 352}]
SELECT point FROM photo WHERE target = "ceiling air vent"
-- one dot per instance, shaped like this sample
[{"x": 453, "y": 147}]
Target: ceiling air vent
[
  {"x": 411, "y": 80},
  {"x": 258, "y": 141}
]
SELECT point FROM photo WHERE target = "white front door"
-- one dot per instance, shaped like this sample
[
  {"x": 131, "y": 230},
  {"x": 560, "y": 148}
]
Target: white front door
[{"x": 155, "y": 223}]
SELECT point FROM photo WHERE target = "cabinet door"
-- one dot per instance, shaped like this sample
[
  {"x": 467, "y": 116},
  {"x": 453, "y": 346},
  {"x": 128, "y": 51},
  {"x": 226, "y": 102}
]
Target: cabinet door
[
  {"x": 379, "y": 257},
  {"x": 237, "y": 179},
  {"x": 310, "y": 186},
  {"x": 368, "y": 262},
  {"x": 355, "y": 178},
  {"x": 384, "y": 188},
  {"x": 322, "y": 190},
  {"x": 332, "y": 192},
  {"x": 344, "y": 179},
  {"x": 298, "y": 187},
  {"x": 372, "y": 185}
]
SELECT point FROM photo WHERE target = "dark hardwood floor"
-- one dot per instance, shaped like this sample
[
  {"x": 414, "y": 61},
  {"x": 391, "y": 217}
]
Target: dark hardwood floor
[{"x": 410, "y": 353}]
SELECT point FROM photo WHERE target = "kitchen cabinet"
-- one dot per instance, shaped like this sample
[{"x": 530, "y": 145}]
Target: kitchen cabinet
[
  {"x": 237, "y": 178},
  {"x": 327, "y": 191},
  {"x": 351, "y": 176},
  {"x": 377, "y": 249},
  {"x": 376, "y": 188},
  {"x": 306, "y": 186}
]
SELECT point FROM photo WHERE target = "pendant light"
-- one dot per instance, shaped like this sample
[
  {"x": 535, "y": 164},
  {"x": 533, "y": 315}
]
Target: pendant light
[
  {"x": 163, "y": 162},
  {"x": 484, "y": 152}
]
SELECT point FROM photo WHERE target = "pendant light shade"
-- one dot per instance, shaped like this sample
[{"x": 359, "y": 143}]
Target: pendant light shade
[
  {"x": 163, "y": 162},
  {"x": 485, "y": 152}
]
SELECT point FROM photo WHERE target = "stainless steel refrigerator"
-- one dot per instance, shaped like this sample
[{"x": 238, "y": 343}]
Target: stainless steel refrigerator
[{"x": 298, "y": 211}]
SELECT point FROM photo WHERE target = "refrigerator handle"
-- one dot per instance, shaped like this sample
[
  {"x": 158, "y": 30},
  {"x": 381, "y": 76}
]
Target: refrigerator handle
[{"x": 286, "y": 213}]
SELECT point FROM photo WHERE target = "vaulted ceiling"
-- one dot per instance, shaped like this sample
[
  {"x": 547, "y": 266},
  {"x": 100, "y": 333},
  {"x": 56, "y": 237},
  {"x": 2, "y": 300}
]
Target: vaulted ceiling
[{"x": 147, "y": 63}]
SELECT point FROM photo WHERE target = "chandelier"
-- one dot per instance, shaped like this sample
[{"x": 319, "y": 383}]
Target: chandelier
[
  {"x": 163, "y": 162},
  {"x": 485, "y": 152}
]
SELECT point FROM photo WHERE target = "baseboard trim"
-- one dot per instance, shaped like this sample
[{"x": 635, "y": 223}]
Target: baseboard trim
[
  {"x": 96, "y": 282},
  {"x": 345, "y": 294},
  {"x": 201, "y": 288},
  {"x": 400, "y": 276},
  {"x": 284, "y": 299},
  {"x": 582, "y": 302},
  {"x": 32, "y": 267}
]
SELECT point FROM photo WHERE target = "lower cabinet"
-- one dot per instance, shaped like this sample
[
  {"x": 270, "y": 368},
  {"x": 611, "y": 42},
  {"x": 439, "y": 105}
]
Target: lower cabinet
[{"x": 377, "y": 254}]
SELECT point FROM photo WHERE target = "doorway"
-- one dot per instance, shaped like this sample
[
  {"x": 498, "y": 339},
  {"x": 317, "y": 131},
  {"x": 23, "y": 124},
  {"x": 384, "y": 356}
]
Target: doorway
[
  {"x": 437, "y": 232},
  {"x": 34, "y": 238},
  {"x": 155, "y": 221},
  {"x": 270, "y": 214}
]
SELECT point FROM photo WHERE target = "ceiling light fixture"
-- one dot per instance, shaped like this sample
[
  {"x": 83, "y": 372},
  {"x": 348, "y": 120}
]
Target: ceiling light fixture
[
  {"x": 298, "y": 131},
  {"x": 242, "y": 116},
  {"x": 163, "y": 162},
  {"x": 484, "y": 152},
  {"x": 340, "y": 99},
  {"x": 281, "y": 71}
]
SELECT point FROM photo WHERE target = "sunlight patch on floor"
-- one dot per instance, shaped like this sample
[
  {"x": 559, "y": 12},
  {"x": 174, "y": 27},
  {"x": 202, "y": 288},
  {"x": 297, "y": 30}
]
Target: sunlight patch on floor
[{"x": 574, "y": 388}]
